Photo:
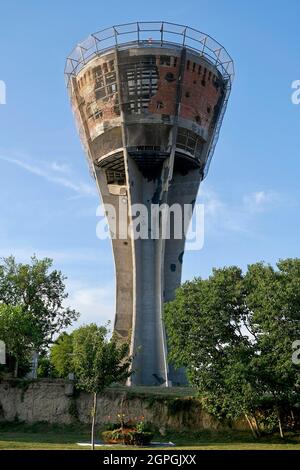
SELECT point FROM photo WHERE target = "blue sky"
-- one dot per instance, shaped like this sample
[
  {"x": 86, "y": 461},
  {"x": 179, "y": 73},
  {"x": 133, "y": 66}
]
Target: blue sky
[{"x": 48, "y": 200}]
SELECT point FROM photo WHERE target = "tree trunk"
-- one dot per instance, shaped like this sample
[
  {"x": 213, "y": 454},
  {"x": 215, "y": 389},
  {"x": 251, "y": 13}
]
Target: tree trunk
[
  {"x": 279, "y": 423},
  {"x": 256, "y": 426},
  {"x": 94, "y": 412},
  {"x": 16, "y": 369},
  {"x": 251, "y": 426},
  {"x": 293, "y": 418}
]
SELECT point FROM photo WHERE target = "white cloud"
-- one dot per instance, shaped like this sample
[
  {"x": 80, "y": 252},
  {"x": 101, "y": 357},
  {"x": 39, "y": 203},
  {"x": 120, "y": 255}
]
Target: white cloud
[
  {"x": 60, "y": 167},
  {"x": 95, "y": 303},
  {"x": 24, "y": 254},
  {"x": 212, "y": 202},
  {"x": 220, "y": 216},
  {"x": 261, "y": 201},
  {"x": 54, "y": 173}
]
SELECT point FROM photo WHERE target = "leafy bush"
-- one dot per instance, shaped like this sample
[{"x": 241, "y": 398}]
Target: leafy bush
[
  {"x": 112, "y": 426},
  {"x": 127, "y": 436}
]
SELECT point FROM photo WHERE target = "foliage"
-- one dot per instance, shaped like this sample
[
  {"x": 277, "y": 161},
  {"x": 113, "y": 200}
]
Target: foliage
[
  {"x": 274, "y": 298},
  {"x": 112, "y": 426},
  {"x": 141, "y": 426},
  {"x": 139, "y": 438},
  {"x": 18, "y": 331},
  {"x": 132, "y": 432},
  {"x": 45, "y": 369},
  {"x": 98, "y": 362},
  {"x": 179, "y": 405},
  {"x": 128, "y": 436},
  {"x": 61, "y": 355},
  {"x": 233, "y": 332},
  {"x": 40, "y": 293},
  {"x": 72, "y": 409}
]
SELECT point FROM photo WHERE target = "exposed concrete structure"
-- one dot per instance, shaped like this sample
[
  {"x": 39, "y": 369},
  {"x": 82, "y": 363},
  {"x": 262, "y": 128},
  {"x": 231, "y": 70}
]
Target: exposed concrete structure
[{"x": 149, "y": 99}]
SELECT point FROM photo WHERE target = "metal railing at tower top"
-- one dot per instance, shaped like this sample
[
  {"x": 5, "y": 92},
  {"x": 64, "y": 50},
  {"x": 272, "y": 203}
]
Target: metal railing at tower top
[
  {"x": 156, "y": 34},
  {"x": 151, "y": 33}
]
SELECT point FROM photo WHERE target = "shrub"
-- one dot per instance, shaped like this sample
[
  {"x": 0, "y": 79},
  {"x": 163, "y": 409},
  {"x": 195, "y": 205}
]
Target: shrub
[{"x": 127, "y": 436}]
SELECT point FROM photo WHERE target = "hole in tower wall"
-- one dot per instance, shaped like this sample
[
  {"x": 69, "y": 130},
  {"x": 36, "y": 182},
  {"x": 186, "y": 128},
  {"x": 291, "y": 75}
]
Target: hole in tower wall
[
  {"x": 100, "y": 93},
  {"x": 165, "y": 60},
  {"x": 139, "y": 80},
  {"x": 169, "y": 77}
]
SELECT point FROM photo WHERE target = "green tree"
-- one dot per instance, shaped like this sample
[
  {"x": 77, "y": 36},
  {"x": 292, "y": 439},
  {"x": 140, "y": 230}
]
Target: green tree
[
  {"x": 18, "y": 331},
  {"x": 40, "y": 292},
  {"x": 206, "y": 334},
  {"x": 98, "y": 362},
  {"x": 274, "y": 298},
  {"x": 234, "y": 332},
  {"x": 61, "y": 355},
  {"x": 45, "y": 368}
]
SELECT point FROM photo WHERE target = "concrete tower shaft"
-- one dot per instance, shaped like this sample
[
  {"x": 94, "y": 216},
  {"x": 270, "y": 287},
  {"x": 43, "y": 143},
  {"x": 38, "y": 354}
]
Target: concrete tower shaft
[{"x": 148, "y": 99}]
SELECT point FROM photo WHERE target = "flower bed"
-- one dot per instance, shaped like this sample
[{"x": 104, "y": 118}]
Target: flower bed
[{"x": 127, "y": 436}]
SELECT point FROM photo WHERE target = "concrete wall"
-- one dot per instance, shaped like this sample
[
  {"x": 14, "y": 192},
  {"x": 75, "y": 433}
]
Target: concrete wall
[{"x": 50, "y": 401}]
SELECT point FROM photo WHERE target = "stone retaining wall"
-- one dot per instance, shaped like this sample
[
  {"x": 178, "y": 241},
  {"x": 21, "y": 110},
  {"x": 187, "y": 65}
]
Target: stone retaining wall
[{"x": 55, "y": 401}]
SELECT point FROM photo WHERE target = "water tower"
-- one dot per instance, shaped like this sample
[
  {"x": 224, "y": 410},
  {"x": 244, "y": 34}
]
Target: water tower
[{"x": 149, "y": 99}]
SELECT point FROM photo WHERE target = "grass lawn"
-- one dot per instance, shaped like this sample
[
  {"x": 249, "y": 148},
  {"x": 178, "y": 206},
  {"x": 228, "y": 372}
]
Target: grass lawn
[{"x": 54, "y": 437}]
